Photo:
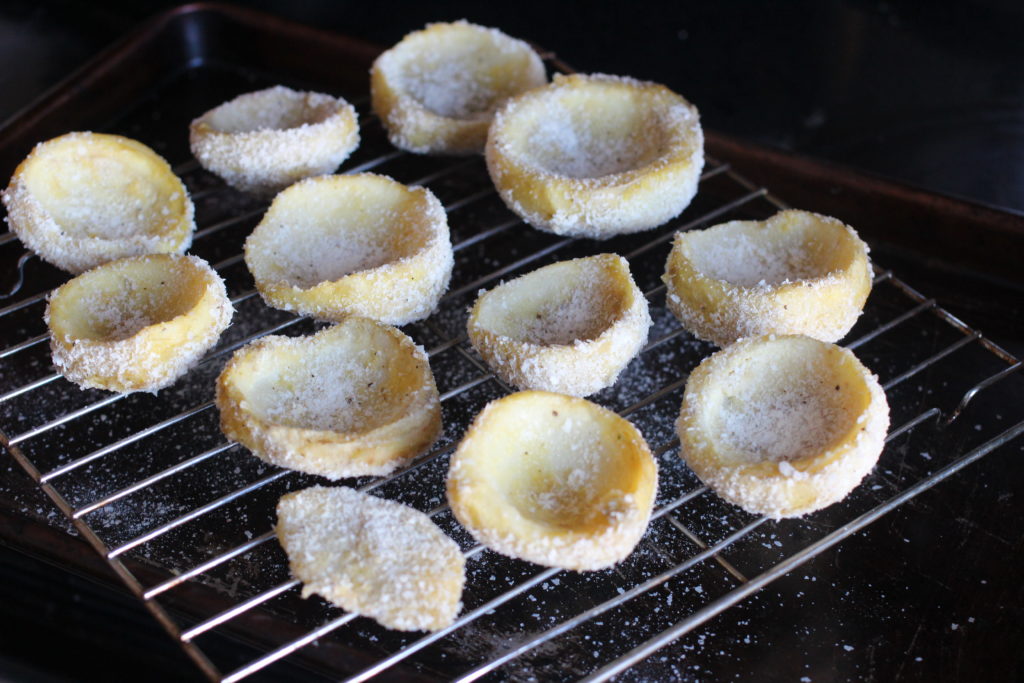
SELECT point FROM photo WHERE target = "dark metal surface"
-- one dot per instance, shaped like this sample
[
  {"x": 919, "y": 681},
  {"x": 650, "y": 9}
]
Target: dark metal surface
[{"x": 157, "y": 116}]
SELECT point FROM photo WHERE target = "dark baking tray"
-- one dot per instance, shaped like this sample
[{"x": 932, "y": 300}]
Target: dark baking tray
[{"x": 152, "y": 83}]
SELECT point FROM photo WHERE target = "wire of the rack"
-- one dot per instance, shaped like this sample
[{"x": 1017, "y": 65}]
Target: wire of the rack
[
  {"x": 238, "y": 609},
  {"x": 981, "y": 386},
  {"x": 152, "y": 479},
  {"x": 954, "y": 321},
  {"x": 19, "y": 275},
  {"x": 90, "y": 536},
  {"x": 963, "y": 341},
  {"x": 24, "y": 303},
  {"x": 705, "y": 552}
]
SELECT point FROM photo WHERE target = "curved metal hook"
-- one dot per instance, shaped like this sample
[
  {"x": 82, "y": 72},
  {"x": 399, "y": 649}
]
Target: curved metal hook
[
  {"x": 983, "y": 384},
  {"x": 19, "y": 275}
]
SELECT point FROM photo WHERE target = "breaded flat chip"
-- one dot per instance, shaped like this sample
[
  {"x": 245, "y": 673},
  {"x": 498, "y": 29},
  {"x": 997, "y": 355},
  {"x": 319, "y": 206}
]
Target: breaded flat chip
[{"x": 375, "y": 557}]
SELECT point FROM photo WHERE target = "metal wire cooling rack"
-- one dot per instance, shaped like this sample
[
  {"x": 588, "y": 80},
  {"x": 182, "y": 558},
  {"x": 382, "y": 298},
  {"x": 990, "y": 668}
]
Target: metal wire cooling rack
[{"x": 185, "y": 518}]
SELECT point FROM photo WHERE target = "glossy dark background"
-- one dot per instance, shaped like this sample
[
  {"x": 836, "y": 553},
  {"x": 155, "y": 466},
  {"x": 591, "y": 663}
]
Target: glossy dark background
[{"x": 931, "y": 94}]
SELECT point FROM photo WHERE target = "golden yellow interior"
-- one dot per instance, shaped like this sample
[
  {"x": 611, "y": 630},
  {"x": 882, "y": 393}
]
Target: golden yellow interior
[
  {"x": 461, "y": 71},
  {"x": 353, "y": 378},
  {"x": 116, "y": 300},
  {"x": 790, "y": 246},
  {"x": 557, "y": 461},
  {"x": 322, "y": 230},
  {"x": 788, "y": 399},
  {"x": 272, "y": 109},
  {"x": 104, "y": 186},
  {"x": 588, "y": 131},
  {"x": 560, "y": 303}
]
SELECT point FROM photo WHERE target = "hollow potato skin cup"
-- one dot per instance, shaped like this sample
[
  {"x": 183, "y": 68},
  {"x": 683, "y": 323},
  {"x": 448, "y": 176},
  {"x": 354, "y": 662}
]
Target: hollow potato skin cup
[
  {"x": 824, "y": 306},
  {"x": 404, "y": 288},
  {"x": 643, "y": 196},
  {"x": 525, "y": 449},
  {"x": 184, "y": 296},
  {"x": 68, "y": 185},
  {"x": 578, "y": 367},
  {"x": 264, "y": 159},
  {"x": 503, "y": 64},
  {"x": 791, "y": 487},
  {"x": 401, "y": 416}
]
